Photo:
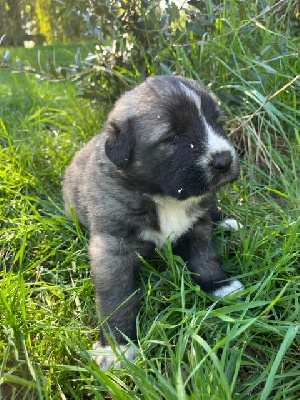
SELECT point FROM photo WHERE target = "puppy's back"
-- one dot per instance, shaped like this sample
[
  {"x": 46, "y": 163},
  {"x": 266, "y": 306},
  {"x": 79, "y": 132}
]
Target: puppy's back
[{"x": 74, "y": 186}]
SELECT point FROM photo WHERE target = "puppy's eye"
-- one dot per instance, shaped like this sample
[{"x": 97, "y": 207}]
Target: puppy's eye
[{"x": 171, "y": 138}]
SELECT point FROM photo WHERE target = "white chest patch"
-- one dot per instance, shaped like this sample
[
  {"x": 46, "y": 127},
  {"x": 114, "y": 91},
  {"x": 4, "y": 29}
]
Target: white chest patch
[{"x": 175, "y": 218}]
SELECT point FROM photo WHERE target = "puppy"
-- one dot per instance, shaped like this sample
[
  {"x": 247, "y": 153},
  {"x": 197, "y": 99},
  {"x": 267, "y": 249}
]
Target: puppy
[{"x": 152, "y": 174}]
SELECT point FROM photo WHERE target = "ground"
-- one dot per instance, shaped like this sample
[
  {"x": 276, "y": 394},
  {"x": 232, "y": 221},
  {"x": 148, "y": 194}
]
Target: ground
[{"x": 191, "y": 345}]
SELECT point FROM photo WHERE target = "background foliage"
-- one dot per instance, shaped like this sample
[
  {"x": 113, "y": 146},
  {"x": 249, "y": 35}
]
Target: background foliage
[
  {"x": 52, "y": 100},
  {"x": 237, "y": 48},
  {"x": 40, "y": 21}
]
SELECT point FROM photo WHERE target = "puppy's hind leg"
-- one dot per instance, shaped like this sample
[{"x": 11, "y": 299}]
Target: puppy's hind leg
[{"x": 114, "y": 267}]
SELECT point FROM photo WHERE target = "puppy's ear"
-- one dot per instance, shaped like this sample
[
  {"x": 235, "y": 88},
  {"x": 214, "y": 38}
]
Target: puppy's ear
[{"x": 118, "y": 144}]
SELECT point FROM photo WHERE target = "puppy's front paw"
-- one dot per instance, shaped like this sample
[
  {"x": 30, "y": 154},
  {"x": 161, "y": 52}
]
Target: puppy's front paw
[
  {"x": 107, "y": 358},
  {"x": 230, "y": 287},
  {"x": 231, "y": 224}
]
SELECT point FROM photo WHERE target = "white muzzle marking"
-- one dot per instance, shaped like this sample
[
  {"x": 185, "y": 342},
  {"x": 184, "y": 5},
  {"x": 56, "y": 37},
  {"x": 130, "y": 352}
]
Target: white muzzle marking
[{"x": 215, "y": 144}]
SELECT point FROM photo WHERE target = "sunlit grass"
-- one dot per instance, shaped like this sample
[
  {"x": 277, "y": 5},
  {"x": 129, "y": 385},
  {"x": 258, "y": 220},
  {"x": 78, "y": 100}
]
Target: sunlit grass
[{"x": 190, "y": 346}]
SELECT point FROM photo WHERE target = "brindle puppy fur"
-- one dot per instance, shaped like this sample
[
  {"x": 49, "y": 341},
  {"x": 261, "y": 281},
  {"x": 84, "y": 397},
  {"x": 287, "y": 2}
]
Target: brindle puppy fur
[{"x": 151, "y": 174}]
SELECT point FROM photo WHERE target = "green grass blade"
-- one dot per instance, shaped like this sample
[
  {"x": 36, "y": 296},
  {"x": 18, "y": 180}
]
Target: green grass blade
[{"x": 289, "y": 337}]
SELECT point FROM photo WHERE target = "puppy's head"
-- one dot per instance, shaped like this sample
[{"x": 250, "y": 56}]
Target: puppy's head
[{"x": 165, "y": 138}]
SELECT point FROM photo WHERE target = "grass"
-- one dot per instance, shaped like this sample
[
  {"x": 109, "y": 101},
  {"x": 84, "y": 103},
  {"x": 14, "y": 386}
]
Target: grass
[{"x": 190, "y": 345}]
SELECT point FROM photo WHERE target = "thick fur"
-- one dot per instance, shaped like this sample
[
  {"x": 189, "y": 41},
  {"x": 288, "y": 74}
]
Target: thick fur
[{"x": 150, "y": 175}]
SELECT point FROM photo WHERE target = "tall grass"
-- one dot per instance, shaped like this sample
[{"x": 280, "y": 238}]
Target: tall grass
[{"x": 190, "y": 345}]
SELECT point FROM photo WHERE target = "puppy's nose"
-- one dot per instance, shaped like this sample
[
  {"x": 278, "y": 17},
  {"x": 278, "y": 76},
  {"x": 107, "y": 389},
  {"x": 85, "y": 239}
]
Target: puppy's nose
[{"x": 222, "y": 161}]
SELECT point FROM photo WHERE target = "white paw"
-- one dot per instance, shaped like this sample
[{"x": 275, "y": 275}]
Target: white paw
[
  {"x": 231, "y": 287},
  {"x": 230, "y": 223},
  {"x": 106, "y": 357}
]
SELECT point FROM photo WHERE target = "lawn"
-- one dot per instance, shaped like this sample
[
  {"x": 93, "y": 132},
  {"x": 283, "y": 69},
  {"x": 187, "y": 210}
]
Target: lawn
[{"x": 190, "y": 345}]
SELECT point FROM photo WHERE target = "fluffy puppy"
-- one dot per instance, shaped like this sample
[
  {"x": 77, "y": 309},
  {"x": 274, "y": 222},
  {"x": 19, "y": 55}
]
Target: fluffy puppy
[{"x": 150, "y": 175}]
